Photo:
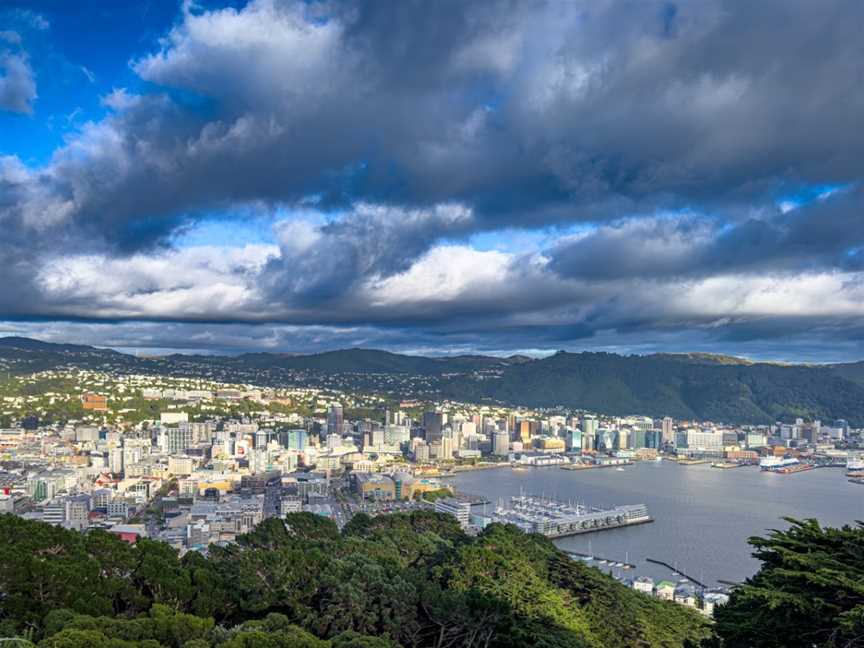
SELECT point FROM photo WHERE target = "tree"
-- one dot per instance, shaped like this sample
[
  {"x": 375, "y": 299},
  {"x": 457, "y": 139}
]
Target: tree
[{"x": 808, "y": 592}]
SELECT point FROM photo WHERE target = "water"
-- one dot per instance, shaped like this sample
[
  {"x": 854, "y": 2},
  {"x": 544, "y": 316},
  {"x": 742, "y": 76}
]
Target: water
[{"x": 702, "y": 515}]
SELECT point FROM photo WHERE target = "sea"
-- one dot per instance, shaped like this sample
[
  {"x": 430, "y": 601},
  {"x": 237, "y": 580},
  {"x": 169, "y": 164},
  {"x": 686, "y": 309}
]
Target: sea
[{"x": 703, "y": 516}]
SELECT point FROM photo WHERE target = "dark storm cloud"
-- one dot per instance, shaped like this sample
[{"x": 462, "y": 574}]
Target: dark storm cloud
[
  {"x": 405, "y": 124},
  {"x": 525, "y": 112},
  {"x": 824, "y": 234},
  {"x": 319, "y": 264}
]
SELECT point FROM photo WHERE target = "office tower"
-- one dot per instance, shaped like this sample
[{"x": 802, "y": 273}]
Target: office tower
[
  {"x": 446, "y": 446},
  {"x": 177, "y": 440},
  {"x": 294, "y": 439},
  {"x": 668, "y": 431},
  {"x": 574, "y": 440},
  {"x": 589, "y": 426},
  {"x": 500, "y": 443},
  {"x": 335, "y": 420},
  {"x": 433, "y": 422},
  {"x": 525, "y": 432},
  {"x": 377, "y": 437}
]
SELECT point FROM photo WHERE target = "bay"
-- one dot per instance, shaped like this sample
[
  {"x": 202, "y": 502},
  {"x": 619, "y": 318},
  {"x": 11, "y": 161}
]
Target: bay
[{"x": 703, "y": 516}]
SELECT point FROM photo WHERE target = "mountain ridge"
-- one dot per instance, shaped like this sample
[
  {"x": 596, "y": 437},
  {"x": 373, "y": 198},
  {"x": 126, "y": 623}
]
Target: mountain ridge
[{"x": 695, "y": 386}]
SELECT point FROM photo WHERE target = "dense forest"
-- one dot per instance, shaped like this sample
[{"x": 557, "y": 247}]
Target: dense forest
[
  {"x": 409, "y": 580},
  {"x": 683, "y": 386},
  {"x": 399, "y": 580}
]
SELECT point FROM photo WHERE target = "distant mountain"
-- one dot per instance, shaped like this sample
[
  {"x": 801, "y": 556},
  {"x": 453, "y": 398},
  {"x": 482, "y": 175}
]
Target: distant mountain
[
  {"x": 698, "y": 386},
  {"x": 29, "y": 344},
  {"x": 374, "y": 361},
  {"x": 679, "y": 386}
]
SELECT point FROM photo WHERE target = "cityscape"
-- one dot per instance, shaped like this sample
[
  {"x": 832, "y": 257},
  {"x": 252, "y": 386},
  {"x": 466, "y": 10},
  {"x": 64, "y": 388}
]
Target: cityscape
[
  {"x": 431, "y": 324},
  {"x": 194, "y": 462}
]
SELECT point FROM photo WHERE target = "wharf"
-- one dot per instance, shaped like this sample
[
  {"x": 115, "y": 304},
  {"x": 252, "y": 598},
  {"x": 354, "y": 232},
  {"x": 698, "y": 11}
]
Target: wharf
[
  {"x": 677, "y": 571},
  {"x": 609, "y": 561},
  {"x": 555, "y": 519}
]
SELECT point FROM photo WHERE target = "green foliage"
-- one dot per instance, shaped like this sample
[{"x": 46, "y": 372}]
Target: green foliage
[
  {"x": 683, "y": 386},
  {"x": 431, "y": 496},
  {"x": 403, "y": 580},
  {"x": 700, "y": 386},
  {"x": 809, "y": 591},
  {"x": 351, "y": 639}
]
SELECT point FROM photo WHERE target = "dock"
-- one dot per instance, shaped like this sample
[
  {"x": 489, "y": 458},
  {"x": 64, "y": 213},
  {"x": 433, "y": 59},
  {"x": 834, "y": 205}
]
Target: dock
[
  {"x": 555, "y": 519},
  {"x": 677, "y": 571},
  {"x": 610, "y": 561}
]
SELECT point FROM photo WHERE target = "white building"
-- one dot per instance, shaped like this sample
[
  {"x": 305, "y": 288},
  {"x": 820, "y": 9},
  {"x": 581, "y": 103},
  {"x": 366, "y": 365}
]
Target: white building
[{"x": 460, "y": 510}]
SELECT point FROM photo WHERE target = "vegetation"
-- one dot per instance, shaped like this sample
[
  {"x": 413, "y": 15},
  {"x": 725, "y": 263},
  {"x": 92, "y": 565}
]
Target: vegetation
[
  {"x": 682, "y": 386},
  {"x": 809, "y": 591},
  {"x": 398, "y": 580},
  {"x": 432, "y": 495},
  {"x": 699, "y": 386}
]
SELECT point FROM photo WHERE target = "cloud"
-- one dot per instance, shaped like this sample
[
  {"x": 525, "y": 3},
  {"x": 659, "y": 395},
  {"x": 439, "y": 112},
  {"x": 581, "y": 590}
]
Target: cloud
[
  {"x": 17, "y": 83},
  {"x": 823, "y": 234},
  {"x": 528, "y": 114},
  {"x": 671, "y": 137},
  {"x": 322, "y": 263}
]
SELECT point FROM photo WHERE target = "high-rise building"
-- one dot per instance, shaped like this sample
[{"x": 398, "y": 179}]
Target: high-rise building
[
  {"x": 376, "y": 437},
  {"x": 500, "y": 443},
  {"x": 526, "y": 431},
  {"x": 294, "y": 439},
  {"x": 177, "y": 440},
  {"x": 589, "y": 426},
  {"x": 446, "y": 447},
  {"x": 433, "y": 423},
  {"x": 756, "y": 440},
  {"x": 668, "y": 431},
  {"x": 335, "y": 419},
  {"x": 574, "y": 439},
  {"x": 396, "y": 434}
]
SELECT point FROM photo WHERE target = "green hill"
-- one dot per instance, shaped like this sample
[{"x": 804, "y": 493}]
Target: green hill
[
  {"x": 412, "y": 580},
  {"x": 698, "y": 386},
  {"x": 679, "y": 386}
]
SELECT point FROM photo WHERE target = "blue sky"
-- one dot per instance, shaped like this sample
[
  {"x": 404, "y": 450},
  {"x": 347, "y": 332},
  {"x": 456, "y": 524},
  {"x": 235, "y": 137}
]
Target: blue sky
[{"x": 434, "y": 178}]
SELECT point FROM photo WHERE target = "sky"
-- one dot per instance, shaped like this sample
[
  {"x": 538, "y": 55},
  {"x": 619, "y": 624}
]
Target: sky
[{"x": 435, "y": 177}]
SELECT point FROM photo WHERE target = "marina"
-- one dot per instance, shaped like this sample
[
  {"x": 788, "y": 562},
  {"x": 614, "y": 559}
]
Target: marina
[
  {"x": 702, "y": 516},
  {"x": 556, "y": 519}
]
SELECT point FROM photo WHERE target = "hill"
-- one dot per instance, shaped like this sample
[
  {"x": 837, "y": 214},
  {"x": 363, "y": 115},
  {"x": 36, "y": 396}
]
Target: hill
[
  {"x": 679, "y": 386},
  {"x": 697, "y": 386},
  {"x": 398, "y": 580}
]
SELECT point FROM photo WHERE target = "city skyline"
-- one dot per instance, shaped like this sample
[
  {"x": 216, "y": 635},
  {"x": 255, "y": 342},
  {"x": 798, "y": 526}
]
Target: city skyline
[{"x": 500, "y": 178}]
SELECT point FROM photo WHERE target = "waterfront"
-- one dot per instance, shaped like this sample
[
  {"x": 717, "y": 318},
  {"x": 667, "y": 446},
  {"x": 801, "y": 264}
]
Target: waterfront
[{"x": 702, "y": 515}]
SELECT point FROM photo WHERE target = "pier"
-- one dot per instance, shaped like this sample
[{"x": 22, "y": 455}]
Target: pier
[
  {"x": 677, "y": 571},
  {"x": 555, "y": 519},
  {"x": 611, "y": 561}
]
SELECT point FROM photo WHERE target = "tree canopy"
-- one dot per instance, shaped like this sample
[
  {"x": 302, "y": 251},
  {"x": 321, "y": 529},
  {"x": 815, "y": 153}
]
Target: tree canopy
[{"x": 403, "y": 580}]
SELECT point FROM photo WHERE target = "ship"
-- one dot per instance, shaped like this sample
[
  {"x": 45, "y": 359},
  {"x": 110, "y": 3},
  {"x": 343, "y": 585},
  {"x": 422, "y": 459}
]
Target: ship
[
  {"x": 855, "y": 464},
  {"x": 725, "y": 464},
  {"x": 556, "y": 519},
  {"x": 784, "y": 466}
]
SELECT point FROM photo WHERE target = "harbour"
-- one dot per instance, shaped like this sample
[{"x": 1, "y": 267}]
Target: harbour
[
  {"x": 702, "y": 517},
  {"x": 558, "y": 519}
]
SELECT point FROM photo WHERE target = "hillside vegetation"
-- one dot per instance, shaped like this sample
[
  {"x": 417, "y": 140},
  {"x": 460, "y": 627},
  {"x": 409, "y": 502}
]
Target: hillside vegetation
[
  {"x": 685, "y": 386},
  {"x": 400, "y": 580}
]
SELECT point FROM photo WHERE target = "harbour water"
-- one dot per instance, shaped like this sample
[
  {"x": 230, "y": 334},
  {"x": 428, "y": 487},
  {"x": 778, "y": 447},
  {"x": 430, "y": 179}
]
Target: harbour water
[{"x": 702, "y": 515}]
